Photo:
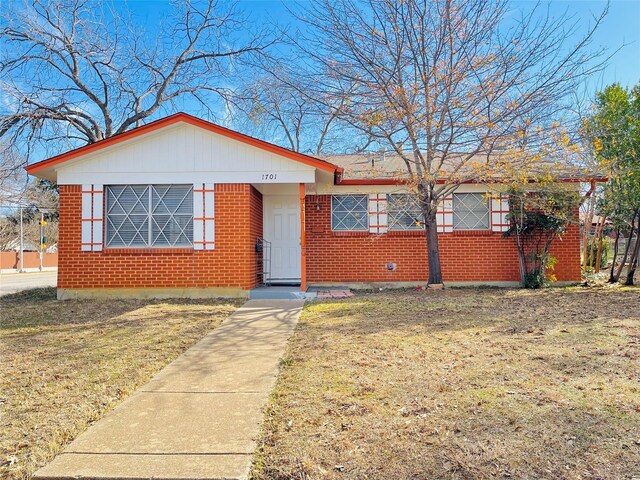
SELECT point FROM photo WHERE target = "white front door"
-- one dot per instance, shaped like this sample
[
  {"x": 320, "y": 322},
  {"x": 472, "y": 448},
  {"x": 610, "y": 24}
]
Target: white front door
[{"x": 282, "y": 229}]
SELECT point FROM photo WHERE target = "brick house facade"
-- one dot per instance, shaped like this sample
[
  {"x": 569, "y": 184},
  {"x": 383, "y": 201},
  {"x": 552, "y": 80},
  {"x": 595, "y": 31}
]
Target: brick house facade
[
  {"x": 232, "y": 265},
  {"x": 124, "y": 229},
  {"x": 474, "y": 256}
]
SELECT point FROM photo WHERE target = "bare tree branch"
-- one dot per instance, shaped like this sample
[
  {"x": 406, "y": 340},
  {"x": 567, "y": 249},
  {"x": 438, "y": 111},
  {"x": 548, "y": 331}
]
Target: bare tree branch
[
  {"x": 450, "y": 86},
  {"x": 77, "y": 70}
]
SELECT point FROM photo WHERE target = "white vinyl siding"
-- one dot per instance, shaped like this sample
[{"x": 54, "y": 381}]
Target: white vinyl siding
[
  {"x": 149, "y": 216},
  {"x": 404, "y": 212},
  {"x": 349, "y": 213},
  {"x": 470, "y": 211},
  {"x": 205, "y": 157}
]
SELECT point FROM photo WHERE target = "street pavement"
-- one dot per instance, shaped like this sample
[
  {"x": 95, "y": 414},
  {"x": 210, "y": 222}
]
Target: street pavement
[{"x": 16, "y": 282}]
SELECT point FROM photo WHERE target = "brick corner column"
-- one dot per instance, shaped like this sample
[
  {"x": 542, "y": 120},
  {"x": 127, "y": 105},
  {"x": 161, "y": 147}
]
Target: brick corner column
[{"x": 303, "y": 242}]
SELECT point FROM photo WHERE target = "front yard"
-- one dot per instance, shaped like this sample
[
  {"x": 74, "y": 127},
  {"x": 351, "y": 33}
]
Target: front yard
[
  {"x": 457, "y": 384},
  {"x": 460, "y": 384},
  {"x": 65, "y": 364}
]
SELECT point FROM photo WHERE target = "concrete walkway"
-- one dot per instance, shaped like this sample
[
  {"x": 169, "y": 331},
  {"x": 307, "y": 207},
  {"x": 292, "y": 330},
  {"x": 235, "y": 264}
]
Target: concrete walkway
[{"x": 199, "y": 417}]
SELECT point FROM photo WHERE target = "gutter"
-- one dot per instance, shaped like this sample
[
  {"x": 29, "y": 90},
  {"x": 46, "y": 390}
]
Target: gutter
[{"x": 399, "y": 181}]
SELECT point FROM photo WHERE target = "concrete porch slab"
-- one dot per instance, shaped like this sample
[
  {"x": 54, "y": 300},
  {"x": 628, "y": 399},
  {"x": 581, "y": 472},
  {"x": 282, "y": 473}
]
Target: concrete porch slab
[
  {"x": 199, "y": 417},
  {"x": 275, "y": 292}
]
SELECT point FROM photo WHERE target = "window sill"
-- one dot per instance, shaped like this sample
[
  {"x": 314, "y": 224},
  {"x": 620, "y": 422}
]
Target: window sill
[
  {"x": 473, "y": 233},
  {"x": 148, "y": 251},
  {"x": 347, "y": 233},
  {"x": 406, "y": 233}
]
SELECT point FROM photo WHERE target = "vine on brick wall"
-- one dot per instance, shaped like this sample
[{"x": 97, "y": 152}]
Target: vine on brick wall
[{"x": 536, "y": 219}]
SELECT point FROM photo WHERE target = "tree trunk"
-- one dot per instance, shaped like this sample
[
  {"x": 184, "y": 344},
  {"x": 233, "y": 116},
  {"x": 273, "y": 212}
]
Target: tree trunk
[
  {"x": 599, "y": 254},
  {"x": 615, "y": 256},
  {"x": 626, "y": 249},
  {"x": 435, "y": 271},
  {"x": 522, "y": 261},
  {"x": 599, "y": 237},
  {"x": 633, "y": 262}
]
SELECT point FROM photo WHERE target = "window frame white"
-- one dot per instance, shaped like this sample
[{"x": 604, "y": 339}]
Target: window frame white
[
  {"x": 470, "y": 212},
  {"x": 395, "y": 213},
  {"x": 365, "y": 213},
  {"x": 155, "y": 198}
]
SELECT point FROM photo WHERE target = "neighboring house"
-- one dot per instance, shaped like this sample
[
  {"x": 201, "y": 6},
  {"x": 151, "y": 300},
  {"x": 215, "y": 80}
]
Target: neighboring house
[
  {"x": 595, "y": 223},
  {"x": 181, "y": 206}
]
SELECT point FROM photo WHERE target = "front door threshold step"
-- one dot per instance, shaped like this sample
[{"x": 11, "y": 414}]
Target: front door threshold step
[
  {"x": 278, "y": 292},
  {"x": 131, "y": 466}
]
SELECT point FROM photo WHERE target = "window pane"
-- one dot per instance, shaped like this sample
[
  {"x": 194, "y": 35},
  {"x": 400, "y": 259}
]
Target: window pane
[
  {"x": 127, "y": 215},
  {"x": 149, "y": 215},
  {"x": 127, "y": 199},
  {"x": 168, "y": 230},
  {"x": 404, "y": 212},
  {"x": 172, "y": 215},
  {"x": 349, "y": 213},
  {"x": 470, "y": 211},
  {"x": 131, "y": 231}
]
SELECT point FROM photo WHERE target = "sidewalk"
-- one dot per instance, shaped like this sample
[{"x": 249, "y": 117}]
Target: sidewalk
[{"x": 199, "y": 417}]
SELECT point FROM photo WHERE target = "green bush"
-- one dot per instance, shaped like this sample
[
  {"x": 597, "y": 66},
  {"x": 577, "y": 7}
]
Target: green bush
[{"x": 535, "y": 279}]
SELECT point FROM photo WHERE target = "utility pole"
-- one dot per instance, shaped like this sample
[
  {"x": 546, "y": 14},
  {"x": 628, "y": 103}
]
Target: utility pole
[
  {"x": 42, "y": 239},
  {"x": 21, "y": 243}
]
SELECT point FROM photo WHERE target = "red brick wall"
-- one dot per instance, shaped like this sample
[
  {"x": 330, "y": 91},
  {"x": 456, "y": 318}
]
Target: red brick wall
[
  {"x": 238, "y": 216},
  {"x": 256, "y": 230},
  {"x": 331, "y": 256},
  {"x": 466, "y": 256}
]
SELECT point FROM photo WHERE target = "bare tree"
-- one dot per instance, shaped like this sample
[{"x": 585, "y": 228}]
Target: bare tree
[
  {"x": 10, "y": 232},
  {"x": 38, "y": 200},
  {"x": 446, "y": 84},
  {"x": 76, "y": 72},
  {"x": 13, "y": 179},
  {"x": 275, "y": 106}
]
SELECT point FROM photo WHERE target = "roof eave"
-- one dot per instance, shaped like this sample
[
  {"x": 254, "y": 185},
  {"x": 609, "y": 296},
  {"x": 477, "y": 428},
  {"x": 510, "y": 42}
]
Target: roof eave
[
  {"x": 400, "y": 181},
  {"x": 170, "y": 120}
]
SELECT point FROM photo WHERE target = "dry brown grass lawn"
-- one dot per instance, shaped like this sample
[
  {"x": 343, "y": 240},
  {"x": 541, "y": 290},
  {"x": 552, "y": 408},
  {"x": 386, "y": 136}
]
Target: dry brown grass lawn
[
  {"x": 460, "y": 384},
  {"x": 65, "y": 364}
]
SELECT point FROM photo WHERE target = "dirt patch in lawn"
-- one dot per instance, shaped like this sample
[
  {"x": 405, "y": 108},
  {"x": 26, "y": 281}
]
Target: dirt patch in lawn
[
  {"x": 460, "y": 384},
  {"x": 65, "y": 364}
]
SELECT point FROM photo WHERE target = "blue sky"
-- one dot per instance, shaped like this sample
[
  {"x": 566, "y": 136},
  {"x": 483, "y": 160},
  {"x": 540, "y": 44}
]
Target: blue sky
[
  {"x": 620, "y": 27},
  {"x": 620, "y": 30}
]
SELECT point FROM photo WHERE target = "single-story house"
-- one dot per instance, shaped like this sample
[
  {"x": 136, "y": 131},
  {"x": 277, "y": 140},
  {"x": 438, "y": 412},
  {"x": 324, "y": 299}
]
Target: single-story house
[{"x": 181, "y": 206}]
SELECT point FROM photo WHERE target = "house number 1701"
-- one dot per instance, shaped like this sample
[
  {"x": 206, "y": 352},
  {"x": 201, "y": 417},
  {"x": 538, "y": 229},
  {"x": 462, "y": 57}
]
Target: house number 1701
[{"x": 269, "y": 176}]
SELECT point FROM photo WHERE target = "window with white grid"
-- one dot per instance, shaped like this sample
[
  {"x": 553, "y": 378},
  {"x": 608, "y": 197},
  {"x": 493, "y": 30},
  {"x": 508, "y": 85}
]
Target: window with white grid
[
  {"x": 470, "y": 211},
  {"x": 404, "y": 212},
  {"x": 149, "y": 216},
  {"x": 350, "y": 212}
]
